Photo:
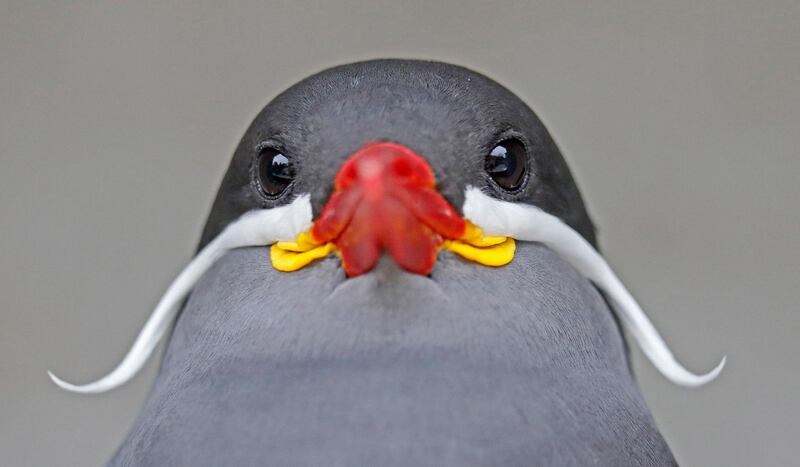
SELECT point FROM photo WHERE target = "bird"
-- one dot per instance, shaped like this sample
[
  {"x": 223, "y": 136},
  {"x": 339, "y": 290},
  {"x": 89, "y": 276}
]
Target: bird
[{"x": 398, "y": 269}]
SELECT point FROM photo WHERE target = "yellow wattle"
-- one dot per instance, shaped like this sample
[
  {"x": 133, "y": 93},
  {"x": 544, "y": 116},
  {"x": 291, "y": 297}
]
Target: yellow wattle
[
  {"x": 475, "y": 237},
  {"x": 496, "y": 255},
  {"x": 483, "y": 249},
  {"x": 291, "y": 256},
  {"x": 303, "y": 242},
  {"x": 473, "y": 246}
]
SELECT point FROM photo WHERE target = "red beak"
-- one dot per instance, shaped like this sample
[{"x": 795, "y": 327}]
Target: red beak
[{"x": 385, "y": 200}]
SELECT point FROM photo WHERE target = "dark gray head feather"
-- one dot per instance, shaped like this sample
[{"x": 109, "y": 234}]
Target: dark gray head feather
[{"x": 450, "y": 115}]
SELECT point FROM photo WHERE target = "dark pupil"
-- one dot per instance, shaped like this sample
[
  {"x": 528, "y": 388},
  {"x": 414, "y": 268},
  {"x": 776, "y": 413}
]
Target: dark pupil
[
  {"x": 506, "y": 164},
  {"x": 275, "y": 172}
]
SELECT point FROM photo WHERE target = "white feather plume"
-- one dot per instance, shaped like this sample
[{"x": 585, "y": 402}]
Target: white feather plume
[
  {"x": 255, "y": 228},
  {"x": 529, "y": 223}
]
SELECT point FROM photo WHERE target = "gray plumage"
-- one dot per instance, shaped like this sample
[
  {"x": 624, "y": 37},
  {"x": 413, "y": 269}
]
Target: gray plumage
[{"x": 518, "y": 365}]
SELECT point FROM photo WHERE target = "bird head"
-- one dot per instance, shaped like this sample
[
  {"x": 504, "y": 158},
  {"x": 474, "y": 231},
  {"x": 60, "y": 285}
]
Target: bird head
[
  {"x": 385, "y": 152},
  {"x": 395, "y": 186}
]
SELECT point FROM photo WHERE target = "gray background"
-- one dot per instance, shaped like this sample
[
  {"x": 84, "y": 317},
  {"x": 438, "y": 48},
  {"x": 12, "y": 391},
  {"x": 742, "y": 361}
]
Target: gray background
[{"x": 680, "y": 122}]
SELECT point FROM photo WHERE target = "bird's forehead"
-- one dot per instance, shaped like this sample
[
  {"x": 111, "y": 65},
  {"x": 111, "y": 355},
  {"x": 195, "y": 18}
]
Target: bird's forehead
[
  {"x": 449, "y": 115},
  {"x": 420, "y": 104}
]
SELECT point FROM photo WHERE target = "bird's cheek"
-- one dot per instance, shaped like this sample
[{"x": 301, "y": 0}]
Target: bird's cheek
[{"x": 385, "y": 200}]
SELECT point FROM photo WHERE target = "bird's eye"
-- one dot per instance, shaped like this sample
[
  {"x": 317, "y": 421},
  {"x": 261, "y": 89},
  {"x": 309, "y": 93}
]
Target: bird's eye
[
  {"x": 275, "y": 171},
  {"x": 507, "y": 164}
]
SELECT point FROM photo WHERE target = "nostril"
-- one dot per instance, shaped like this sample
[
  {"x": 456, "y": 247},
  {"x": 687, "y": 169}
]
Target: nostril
[{"x": 402, "y": 168}]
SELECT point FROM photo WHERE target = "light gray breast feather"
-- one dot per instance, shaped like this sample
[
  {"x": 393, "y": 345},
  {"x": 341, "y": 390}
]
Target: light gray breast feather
[{"x": 270, "y": 368}]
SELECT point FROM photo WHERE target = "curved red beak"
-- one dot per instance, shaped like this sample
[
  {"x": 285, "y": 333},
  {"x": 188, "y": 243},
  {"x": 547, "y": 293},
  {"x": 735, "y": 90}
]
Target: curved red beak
[{"x": 385, "y": 200}]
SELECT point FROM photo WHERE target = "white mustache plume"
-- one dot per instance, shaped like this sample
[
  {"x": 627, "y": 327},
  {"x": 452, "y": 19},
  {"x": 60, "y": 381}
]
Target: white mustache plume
[
  {"x": 529, "y": 223},
  {"x": 522, "y": 222},
  {"x": 255, "y": 228}
]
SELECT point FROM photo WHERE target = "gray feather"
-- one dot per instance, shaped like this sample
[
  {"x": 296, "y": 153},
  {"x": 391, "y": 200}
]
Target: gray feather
[{"x": 395, "y": 369}]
